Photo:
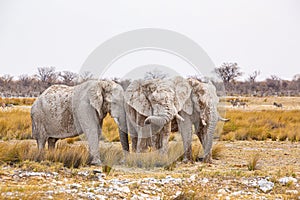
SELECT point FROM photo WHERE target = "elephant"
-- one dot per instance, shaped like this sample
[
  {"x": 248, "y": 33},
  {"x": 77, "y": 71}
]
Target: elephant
[
  {"x": 201, "y": 111},
  {"x": 63, "y": 111},
  {"x": 150, "y": 106}
]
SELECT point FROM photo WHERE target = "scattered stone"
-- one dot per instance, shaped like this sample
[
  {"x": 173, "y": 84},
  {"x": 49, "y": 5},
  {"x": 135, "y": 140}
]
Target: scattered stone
[
  {"x": 75, "y": 186},
  {"x": 204, "y": 180},
  {"x": 222, "y": 191},
  {"x": 83, "y": 173},
  {"x": 285, "y": 180},
  {"x": 291, "y": 192},
  {"x": 265, "y": 185},
  {"x": 193, "y": 177},
  {"x": 124, "y": 189}
]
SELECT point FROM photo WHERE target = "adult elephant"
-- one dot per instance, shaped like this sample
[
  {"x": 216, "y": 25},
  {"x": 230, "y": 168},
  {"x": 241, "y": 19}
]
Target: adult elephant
[
  {"x": 201, "y": 111},
  {"x": 150, "y": 106},
  {"x": 62, "y": 111}
]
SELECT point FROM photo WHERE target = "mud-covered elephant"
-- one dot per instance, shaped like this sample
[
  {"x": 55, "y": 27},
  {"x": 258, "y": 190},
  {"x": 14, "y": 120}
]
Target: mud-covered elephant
[
  {"x": 150, "y": 106},
  {"x": 201, "y": 111},
  {"x": 62, "y": 111}
]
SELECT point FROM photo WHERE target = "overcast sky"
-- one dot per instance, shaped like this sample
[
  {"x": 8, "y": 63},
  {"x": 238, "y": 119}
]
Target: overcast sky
[{"x": 257, "y": 34}]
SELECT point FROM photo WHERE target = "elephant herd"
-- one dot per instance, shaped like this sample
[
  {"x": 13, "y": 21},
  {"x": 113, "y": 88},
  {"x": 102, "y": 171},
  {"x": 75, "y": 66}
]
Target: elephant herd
[{"x": 145, "y": 110}]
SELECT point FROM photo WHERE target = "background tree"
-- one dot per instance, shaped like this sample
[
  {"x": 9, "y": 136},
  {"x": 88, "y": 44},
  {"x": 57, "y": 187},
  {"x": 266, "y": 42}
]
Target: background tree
[
  {"x": 252, "y": 77},
  {"x": 84, "y": 76},
  {"x": 154, "y": 74},
  {"x": 47, "y": 75},
  {"x": 228, "y": 72},
  {"x": 68, "y": 77}
]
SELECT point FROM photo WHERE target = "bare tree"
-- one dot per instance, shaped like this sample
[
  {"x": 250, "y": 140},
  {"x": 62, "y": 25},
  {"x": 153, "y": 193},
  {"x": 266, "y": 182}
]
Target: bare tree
[
  {"x": 252, "y": 77},
  {"x": 84, "y": 76},
  {"x": 68, "y": 78},
  {"x": 25, "y": 80},
  {"x": 47, "y": 75},
  {"x": 228, "y": 72},
  {"x": 7, "y": 78},
  {"x": 155, "y": 74}
]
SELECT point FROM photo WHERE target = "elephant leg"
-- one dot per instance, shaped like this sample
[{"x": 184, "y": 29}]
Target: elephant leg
[
  {"x": 51, "y": 143},
  {"x": 165, "y": 134},
  {"x": 41, "y": 143},
  {"x": 185, "y": 129},
  {"x": 134, "y": 140},
  {"x": 90, "y": 125}
]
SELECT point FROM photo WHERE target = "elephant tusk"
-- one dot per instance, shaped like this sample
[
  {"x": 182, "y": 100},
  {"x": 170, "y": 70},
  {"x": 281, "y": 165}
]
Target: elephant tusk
[
  {"x": 179, "y": 117},
  {"x": 223, "y": 119}
]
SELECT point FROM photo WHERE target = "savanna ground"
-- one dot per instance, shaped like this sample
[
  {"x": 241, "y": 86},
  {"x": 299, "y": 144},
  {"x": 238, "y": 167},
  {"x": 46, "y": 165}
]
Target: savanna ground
[{"x": 256, "y": 156}]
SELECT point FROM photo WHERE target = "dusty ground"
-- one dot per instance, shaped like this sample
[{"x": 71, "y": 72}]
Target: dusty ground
[{"x": 226, "y": 178}]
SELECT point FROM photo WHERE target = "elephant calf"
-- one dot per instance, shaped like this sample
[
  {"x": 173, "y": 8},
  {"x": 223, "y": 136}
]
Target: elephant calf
[{"x": 62, "y": 111}]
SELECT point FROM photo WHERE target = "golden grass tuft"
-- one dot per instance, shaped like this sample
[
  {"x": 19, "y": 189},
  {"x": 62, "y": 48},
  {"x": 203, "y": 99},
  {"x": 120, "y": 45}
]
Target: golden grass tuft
[
  {"x": 253, "y": 161},
  {"x": 217, "y": 151},
  {"x": 110, "y": 129}
]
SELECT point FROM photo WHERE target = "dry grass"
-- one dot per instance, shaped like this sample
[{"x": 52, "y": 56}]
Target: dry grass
[
  {"x": 110, "y": 129},
  {"x": 150, "y": 160},
  {"x": 253, "y": 161},
  {"x": 15, "y": 124},
  {"x": 217, "y": 151},
  {"x": 261, "y": 125},
  {"x": 20, "y": 151},
  {"x": 18, "y": 101}
]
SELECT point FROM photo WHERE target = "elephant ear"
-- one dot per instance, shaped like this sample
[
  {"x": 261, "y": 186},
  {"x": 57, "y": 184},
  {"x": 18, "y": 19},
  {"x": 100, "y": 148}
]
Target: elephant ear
[
  {"x": 95, "y": 97},
  {"x": 200, "y": 96},
  {"x": 136, "y": 98},
  {"x": 182, "y": 95}
]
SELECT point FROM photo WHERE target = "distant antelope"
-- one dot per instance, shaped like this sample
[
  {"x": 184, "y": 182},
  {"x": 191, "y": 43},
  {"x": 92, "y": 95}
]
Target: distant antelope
[
  {"x": 238, "y": 103},
  {"x": 279, "y": 105}
]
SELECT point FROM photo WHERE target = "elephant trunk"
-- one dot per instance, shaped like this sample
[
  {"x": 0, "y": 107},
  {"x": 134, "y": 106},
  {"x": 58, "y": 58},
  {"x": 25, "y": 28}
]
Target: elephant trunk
[
  {"x": 208, "y": 137},
  {"x": 157, "y": 120}
]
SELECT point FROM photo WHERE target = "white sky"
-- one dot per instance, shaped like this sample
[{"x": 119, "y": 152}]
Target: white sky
[{"x": 257, "y": 34}]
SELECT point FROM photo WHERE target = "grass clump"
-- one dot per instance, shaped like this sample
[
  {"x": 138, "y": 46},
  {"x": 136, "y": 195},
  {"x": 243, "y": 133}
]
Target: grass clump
[
  {"x": 18, "y": 152},
  {"x": 217, "y": 151},
  {"x": 252, "y": 162}
]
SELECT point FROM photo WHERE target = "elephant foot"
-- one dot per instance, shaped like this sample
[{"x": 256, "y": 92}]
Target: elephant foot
[
  {"x": 186, "y": 160},
  {"x": 96, "y": 162},
  {"x": 206, "y": 159}
]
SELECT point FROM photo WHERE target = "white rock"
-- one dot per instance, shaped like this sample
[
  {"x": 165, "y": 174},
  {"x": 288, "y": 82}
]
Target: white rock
[
  {"x": 291, "y": 192},
  {"x": 178, "y": 193},
  {"x": 222, "y": 191},
  {"x": 193, "y": 177},
  {"x": 204, "y": 180},
  {"x": 285, "y": 180},
  {"x": 123, "y": 189},
  {"x": 237, "y": 193},
  {"x": 101, "y": 197},
  {"x": 265, "y": 185},
  {"x": 75, "y": 186},
  {"x": 227, "y": 198}
]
